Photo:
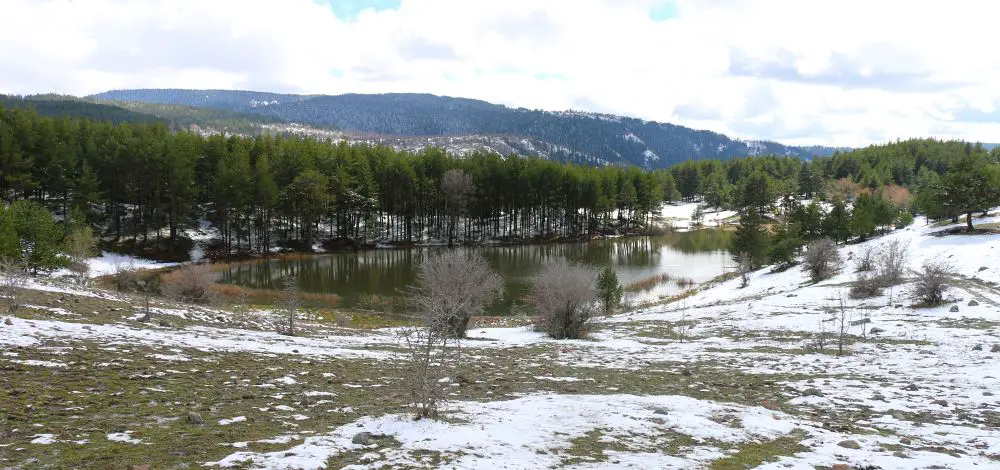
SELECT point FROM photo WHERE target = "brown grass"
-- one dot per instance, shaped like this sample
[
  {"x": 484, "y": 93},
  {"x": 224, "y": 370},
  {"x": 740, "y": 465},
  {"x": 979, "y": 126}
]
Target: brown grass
[
  {"x": 270, "y": 296},
  {"x": 648, "y": 282}
]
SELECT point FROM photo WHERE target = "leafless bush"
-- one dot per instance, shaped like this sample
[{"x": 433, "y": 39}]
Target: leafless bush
[
  {"x": 866, "y": 285},
  {"x": 891, "y": 262},
  {"x": 821, "y": 260},
  {"x": 189, "y": 283},
  {"x": 865, "y": 260},
  {"x": 453, "y": 286},
  {"x": 932, "y": 282},
  {"x": 843, "y": 314},
  {"x": 432, "y": 356},
  {"x": 289, "y": 307},
  {"x": 563, "y": 295},
  {"x": 80, "y": 245},
  {"x": 744, "y": 265},
  {"x": 125, "y": 277},
  {"x": 13, "y": 277}
]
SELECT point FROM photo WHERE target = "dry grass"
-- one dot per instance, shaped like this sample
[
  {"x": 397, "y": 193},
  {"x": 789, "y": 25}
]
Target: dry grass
[
  {"x": 271, "y": 296},
  {"x": 648, "y": 283}
]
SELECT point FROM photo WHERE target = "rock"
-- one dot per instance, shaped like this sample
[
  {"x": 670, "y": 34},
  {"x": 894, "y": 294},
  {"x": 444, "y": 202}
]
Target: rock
[
  {"x": 812, "y": 392},
  {"x": 363, "y": 438},
  {"x": 978, "y": 347},
  {"x": 983, "y": 268},
  {"x": 876, "y": 330},
  {"x": 6, "y": 321},
  {"x": 940, "y": 402},
  {"x": 878, "y": 397},
  {"x": 849, "y": 444},
  {"x": 987, "y": 394},
  {"x": 195, "y": 418},
  {"x": 898, "y": 306},
  {"x": 911, "y": 388},
  {"x": 248, "y": 396},
  {"x": 770, "y": 405},
  {"x": 792, "y": 295},
  {"x": 840, "y": 466},
  {"x": 905, "y": 441},
  {"x": 953, "y": 309},
  {"x": 296, "y": 351},
  {"x": 164, "y": 323},
  {"x": 901, "y": 455},
  {"x": 973, "y": 303}
]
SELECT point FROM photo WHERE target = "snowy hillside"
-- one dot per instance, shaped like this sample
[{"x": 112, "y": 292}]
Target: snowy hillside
[{"x": 726, "y": 377}]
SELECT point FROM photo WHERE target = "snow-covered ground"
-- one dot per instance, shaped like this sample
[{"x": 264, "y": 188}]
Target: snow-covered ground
[
  {"x": 728, "y": 375},
  {"x": 680, "y": 216}
]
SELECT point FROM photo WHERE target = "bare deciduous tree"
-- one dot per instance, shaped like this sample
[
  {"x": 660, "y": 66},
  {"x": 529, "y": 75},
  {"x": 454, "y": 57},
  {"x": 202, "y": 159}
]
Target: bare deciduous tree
[
  {"x": 932, "y": 282},
  {"x": 453, "y": 286},
  {"x": 290, "y": 306},
  {"x": 189, "y": 283},
  {"x": 432, "y": 356},
  {"x": 821, "y": 260},
  {"x": 744, "y": 265},
  {"x": 458, "y": 187},
  {"x": 564, "y": 298},
  {"x": 843, "y": 314},
  {"x": 80, "y": 245},
  {"x": 865, "y": 260},
  {"x": 891, "y": 261}
]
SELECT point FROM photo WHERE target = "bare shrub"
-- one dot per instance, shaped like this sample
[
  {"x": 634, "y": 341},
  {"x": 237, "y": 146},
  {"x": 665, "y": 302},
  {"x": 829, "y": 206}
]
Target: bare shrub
[
  {"x": 744, "y": 265},
  {"x": 290, "y": 306},
  {"x": 80, "y": 245},
  {"x": 453, "y": 286},
  {"x": 843, "y": 315},
  {"x": 821, "y": 260},
  {"x": 932, "y": 282},
  {"x": 13, "y": 277},
  {"x": 564, "y": 295},
  {"x": 432, "y": 355},
  {"x": 189, "y": 283},
  {"x": 891, "y": 261},
  {"x": 865, "y": 261},
  {"x": 124, "y": 276},
  {"x": 866, "y": 285}
]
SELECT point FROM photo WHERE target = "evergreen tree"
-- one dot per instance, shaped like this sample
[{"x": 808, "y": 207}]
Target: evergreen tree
[
  {"x": 969, "y": 187},
  {"x": 750, "y": 240},
  {"x": 39, "y": 236},
  {"x": 837, "y": 223},
  {"x": 609, "y": 290}
]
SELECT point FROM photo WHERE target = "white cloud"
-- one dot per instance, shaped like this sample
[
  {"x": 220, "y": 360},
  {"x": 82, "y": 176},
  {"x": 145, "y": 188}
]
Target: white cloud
[{"x": 845, "y": 73}]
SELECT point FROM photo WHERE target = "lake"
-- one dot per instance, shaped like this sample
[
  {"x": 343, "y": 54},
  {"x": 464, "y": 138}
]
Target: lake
[{"x": 376, "y": 279}]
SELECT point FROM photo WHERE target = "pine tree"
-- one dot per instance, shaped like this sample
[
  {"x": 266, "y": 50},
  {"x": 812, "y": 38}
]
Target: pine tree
[
  {"x": 750, "y": 243},
  {"x": 837, "y": 223},
  {"x": 38, "y": 235},
  {"x": 609, "y": 290}
]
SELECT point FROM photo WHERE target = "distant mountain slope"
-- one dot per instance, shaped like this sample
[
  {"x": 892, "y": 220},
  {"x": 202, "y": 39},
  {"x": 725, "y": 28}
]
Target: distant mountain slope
[
  {"x": 588, "y": 136},
  {"x": 61, "y": 106}
]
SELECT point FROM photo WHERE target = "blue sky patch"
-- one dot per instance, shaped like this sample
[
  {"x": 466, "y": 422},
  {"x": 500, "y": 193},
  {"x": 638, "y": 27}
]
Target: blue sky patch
[
  {"x": 664, "y": 11},
  {"x": 348, "y": 9}
]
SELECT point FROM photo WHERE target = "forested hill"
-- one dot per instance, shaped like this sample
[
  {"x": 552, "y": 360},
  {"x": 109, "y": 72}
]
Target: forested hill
[
  {"x": 566, "y": 135},
  {"x": 71, "y": 106}
]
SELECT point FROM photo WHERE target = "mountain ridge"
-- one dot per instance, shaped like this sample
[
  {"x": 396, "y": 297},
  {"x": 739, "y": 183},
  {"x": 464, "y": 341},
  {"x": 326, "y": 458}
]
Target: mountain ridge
[{"x": 578, "y": 136}]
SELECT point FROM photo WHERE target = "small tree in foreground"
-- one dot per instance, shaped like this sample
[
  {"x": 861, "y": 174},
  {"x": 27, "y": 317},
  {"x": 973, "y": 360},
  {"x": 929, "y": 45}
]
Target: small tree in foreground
[
  {"x": 821, "y": 260},
  {"x": 290, "y": 307},
  {"x": 80, "y": 245},
  {"x": 609, "y": 290},
  {"x": 12, "y": 279},
  {"x": 932, "y": 282},
  {"x": 454, "y": 286},
  {"x": 563, "y": 295}
]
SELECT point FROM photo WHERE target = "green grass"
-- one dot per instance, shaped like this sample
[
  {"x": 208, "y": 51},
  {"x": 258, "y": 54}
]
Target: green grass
[{"x": 756, "y": 453}]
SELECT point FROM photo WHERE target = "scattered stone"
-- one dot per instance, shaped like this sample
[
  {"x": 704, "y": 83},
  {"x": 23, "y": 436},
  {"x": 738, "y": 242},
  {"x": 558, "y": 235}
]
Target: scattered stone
[
  {"x": 861, "y": 321},
  {"x": 840, "y": 466},
  {"x": 364, "y": 438},
  {"x": 164, "y": 323},
  {"x": 849, "y": 444},
  {"x": 953, "y": 309},
  {"x": 987, "y": 394},
  {"x": 296, "y": 351},
  {"x": 195, "y": 418},
  {"x": 940, "y": 402},
  {"x": 973, "y": 303},
  {"x": 983, "y": 268},
  {"x": 812, "y": 392},
  {"x": 901, "y": 455},
  {"x": 898, "y": 306},
  {"x": 6, "y": 321},
  {"x": 995, "y": 348},
  {"x": 978, "y": 347},
  {"x": 792, "y": 295},
  {"x": 770, "y": 406},
  {"x": 878, "y": 397},
  {"x": 911, "y": 387},
  {"x": 876, "y": 330},
  {"x": 905, "y": 441},
  {"x": 248, "y": 396}
]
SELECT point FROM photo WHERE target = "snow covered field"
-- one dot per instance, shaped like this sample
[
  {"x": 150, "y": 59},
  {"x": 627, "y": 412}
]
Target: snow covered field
[{"x": 724, "y": 378}]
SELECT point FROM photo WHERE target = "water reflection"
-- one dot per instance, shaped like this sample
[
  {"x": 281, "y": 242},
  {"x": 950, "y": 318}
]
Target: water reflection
[{"x": 372, "y": 279}]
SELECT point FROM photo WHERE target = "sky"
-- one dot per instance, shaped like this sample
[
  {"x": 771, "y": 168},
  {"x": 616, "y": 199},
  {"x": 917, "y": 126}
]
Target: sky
[{"x": 801, "y": 72}]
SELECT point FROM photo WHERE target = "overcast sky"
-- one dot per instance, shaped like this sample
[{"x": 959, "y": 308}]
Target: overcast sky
[{"x": 827, "y": 72}]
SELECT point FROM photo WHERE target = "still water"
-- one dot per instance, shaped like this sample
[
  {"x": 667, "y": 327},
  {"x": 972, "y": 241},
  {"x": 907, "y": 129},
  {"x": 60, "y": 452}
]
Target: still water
[{"x": 376, "y": 279}]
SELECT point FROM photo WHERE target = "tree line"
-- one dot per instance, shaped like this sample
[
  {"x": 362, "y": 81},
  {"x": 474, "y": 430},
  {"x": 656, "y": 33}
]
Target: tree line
[{"x": 147, "y": 183}]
